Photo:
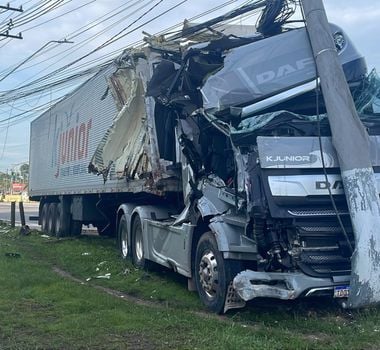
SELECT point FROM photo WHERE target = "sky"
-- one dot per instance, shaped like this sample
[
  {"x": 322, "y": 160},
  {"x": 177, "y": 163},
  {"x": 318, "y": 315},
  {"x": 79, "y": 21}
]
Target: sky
[{"x": 91, "y": 23}]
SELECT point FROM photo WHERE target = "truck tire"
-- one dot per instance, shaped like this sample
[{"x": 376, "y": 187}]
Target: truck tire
[
  {"x": 51, "y": 218},
  {"x": 122, "y": 237},
  {"x": 212, "y": 273},
  {"x": 62, "y": 221},
  {"x": 137, "y": 247},
  {"x": 44, "y": 217},
  {"x": 75, "y": 228}
]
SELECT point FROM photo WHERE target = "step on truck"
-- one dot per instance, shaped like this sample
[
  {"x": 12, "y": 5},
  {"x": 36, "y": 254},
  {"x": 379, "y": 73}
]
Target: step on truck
[{"x": 208, "y": 151}]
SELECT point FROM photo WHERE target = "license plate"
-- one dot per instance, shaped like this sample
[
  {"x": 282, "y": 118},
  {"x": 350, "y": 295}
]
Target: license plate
[{"x": 341, "y": 291}]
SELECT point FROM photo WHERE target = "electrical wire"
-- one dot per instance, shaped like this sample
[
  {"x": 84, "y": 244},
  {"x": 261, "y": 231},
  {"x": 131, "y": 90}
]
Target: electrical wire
[
  {"x": 69, "y": 80},
  {"x": 195, "y": 17},
  {"x": 109, "y": 41},
  {"x": 59, "y": 16},
  {"x": 78, "y": 45}
]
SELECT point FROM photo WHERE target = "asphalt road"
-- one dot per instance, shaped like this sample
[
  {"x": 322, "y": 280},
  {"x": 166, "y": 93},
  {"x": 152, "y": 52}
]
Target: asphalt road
[{"x": 30, "y": 209}]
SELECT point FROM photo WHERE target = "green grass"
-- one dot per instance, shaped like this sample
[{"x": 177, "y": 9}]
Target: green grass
[{"x": 40, "y": 309}]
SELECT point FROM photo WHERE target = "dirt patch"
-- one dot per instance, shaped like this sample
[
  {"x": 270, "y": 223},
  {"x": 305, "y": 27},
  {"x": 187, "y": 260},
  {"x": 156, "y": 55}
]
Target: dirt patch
[
  {"x": 109, "y": 291},
  {"x": 317, "y": 337},
  {"x": 142, "y": 302},
  {"x": 138, "y": 341}
]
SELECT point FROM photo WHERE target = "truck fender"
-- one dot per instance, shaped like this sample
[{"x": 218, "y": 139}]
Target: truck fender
[
  {"x": 224, "y": 235},
  {"x": 230, "y": 237}
]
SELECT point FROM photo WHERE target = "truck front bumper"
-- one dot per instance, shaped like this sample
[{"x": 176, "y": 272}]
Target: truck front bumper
[{"x": 286, "y": 286}]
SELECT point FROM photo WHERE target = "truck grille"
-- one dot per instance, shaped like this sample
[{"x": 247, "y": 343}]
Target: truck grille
[
  {"x": 324, "y": 250},
  {"x": 315, "y": 212}
]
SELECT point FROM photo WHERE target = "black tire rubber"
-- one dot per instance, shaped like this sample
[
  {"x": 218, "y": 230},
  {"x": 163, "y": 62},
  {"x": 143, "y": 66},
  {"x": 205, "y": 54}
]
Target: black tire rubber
[
  {"x": 58, "y": 220},
  {"x": 75, "y": 228},
  {"x": 62, "y": 222},
  {"x": 138, "y": 259},
  {"x": 44, "y": 217},
  {"x": 215, "y": 299},
  {"x": 51, "y": 219},
  {"x": 122, "y": 237}
]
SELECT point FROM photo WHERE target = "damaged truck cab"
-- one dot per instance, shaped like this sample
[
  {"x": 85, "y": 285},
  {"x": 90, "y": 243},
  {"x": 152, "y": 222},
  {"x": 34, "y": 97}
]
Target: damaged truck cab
[{"x": 216, "y": 162}]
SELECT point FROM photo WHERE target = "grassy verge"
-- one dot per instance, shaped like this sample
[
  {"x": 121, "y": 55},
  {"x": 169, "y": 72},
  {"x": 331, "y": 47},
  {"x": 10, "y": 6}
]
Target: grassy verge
[{"x": 40, "y": 309}]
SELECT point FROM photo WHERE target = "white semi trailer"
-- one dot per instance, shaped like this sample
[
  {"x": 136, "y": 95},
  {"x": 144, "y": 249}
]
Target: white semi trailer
[{"x": 201, "y": 152}]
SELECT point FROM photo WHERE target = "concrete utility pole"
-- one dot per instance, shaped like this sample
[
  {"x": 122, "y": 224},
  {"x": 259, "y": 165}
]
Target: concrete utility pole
[{"x": 351, "y": 142}]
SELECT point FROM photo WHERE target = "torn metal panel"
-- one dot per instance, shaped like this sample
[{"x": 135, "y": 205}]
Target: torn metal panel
[
  {"x": 117, "y": 82},
  {"x": 123, "y": 144},
  {"x": 144, "y": 70}
]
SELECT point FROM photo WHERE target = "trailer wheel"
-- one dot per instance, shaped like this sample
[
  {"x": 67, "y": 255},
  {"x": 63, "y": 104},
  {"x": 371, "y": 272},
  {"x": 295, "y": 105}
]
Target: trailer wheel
[
  {"x": 75, "y": 227},
  {"x": 58, "y": 220},
  {"x": 212, "y": 273},
  {"x": 51, "y": 218},
  {"x": 62, "y": 221},
  {"x": 122, "y": 235},
  {"x": 138, "y": 258},
  {"x": 44, "y": 217}
]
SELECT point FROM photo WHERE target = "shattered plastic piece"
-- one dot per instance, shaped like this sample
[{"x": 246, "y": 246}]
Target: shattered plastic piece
[
  {"x": 44, "y": 236},
  {"x": 105, "y": 276},
  {"x": 85, "y": 254},
  {"x": 88, "y": 279}
]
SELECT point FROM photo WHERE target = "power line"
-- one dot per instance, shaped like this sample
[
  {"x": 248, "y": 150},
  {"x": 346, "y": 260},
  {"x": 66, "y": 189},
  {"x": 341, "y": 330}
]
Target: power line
[
  {"x": 29, "y": 57},
  {"x": 66, "y": 80}
]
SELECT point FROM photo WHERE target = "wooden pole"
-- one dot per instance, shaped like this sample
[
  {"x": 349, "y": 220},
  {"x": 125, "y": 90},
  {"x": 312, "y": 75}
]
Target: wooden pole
[
  {"x": 13, "y": 214},
  {"x": 351, "y": 142},
  {"x": 22, "y": 213}
]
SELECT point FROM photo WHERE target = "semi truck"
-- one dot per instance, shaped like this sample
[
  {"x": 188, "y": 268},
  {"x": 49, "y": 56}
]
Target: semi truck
[{"x": 209, "y": 152}]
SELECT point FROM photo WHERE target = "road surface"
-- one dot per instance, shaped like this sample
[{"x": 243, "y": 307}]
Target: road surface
[{"x": 30, "y": 209}]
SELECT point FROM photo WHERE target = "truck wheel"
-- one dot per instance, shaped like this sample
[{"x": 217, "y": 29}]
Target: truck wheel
[
  {"x": 62, "y": 221},
  {"x": 51, "y": 218},
  {"x": 122, "y": 236},
  {"x": 138, "y": 258},
  {"x": 75, "y": 227},
  {"x": 44, "y": 217},
  {"x": 211, "y": 273}
]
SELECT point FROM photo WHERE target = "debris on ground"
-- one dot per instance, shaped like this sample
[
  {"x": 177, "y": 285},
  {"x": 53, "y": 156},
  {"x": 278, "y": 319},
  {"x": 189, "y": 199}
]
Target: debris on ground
[
  {"x": 13, "y": 255},
  {"x": 25, "y": 230}
]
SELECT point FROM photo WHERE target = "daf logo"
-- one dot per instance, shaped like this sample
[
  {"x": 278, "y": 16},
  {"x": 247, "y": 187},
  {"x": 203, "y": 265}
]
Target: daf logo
[
  {"x": 323, "y": 185},
  {"x": 270, "y": 75}
]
